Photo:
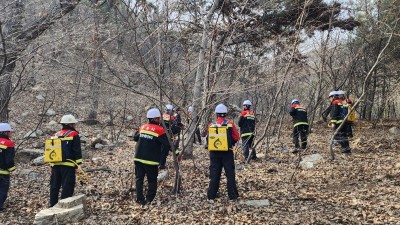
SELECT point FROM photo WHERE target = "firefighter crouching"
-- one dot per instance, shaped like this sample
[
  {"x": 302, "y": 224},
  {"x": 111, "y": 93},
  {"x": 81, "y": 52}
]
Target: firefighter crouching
[
  {"x": 150, "y": 138},
  {"x": 64, "y": 166},
  {"x": 222, "y": 136},
  {"x": 6, "y": 161}
]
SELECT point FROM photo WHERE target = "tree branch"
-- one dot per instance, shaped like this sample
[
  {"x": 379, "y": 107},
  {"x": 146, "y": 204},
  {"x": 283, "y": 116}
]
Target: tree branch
[
  {"x": 36, "y": 28},
  {"x": 3, "y": 43}
]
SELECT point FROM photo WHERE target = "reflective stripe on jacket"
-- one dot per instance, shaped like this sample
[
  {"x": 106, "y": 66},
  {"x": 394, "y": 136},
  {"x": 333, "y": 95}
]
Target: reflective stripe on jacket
[
  {"x": 299, "y": 115},
  {"x": 71, "y": 148},
  {"x": 247, "y": 123},
  {"x": 150, "y": 138},
  {"x": 7, "y": 153}
]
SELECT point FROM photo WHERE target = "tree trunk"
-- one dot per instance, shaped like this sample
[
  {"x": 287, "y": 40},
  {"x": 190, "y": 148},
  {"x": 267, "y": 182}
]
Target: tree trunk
[
  {"x": 98, "y": 68},
  {"x": 197, "y": 92}
]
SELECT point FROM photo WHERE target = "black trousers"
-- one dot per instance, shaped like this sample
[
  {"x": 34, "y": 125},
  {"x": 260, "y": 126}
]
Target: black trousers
[
  {"x": 348, "y": 129},
  {"x": 302, "y": 131},
  {"x": 219, "y": 160},
  {"x": 342, "y": 136},
  {"x": 247, "y": 142},
  {"x": 61, "y": 176},
  {"x": 151, "y": 171},
  {"x": 4, "y": 187}
]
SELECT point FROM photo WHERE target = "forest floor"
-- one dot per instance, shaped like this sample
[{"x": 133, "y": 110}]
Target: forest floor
[{"x": 359, "y": 188}]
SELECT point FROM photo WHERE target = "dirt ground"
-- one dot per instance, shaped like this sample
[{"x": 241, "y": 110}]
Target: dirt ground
[{"x": 361, "y": 188}]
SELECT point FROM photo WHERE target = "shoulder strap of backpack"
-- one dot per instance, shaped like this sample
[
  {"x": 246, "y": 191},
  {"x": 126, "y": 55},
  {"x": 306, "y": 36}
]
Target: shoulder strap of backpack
[
  {"x": 65, "y": 135},
  {"x": 225, "y": 123}
]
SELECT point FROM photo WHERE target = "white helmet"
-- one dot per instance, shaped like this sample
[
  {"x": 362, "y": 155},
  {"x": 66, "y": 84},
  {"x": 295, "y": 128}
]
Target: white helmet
[
  {"x": 341, "y": 92},
  {"x": 247, "y": 102},
  {"x": 332, "y": 93},
  {"x": 169, "y": 107},
  {"x": 153, "y": 113},
  {"x": 294, "y": 101},
  {"x": 221, "y": 108},
  {"x": 190, "y": 109},
  {"x": 5, "y": 127},
  {"x": 68, "y": 119}
]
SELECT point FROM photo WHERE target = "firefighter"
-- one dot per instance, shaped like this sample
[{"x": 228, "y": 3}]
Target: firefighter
[
  {"x": 150, "y": 138},
  {"x": 6, "y": 161},
  {"x": 247, "y": 127},
  {"x": 173, "y": 129},
  {"x": 179, "y": 125},
  {"x": 347, "y": 102},
  {"x": 327, "y": 111},
  {"x": 338, "y": 112},
  {"x": 300, "y": 125},
  {"x": 221, "y": 154},
  {"x": 63, "y": 174},
  {"x": 189, "y": 120}
]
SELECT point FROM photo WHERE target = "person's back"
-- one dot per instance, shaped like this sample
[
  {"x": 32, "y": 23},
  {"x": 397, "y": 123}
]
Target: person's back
[
  {"x": 300, "y": 125},
  {"x": 247, "y": 123},
  {"x": 338, "y": 113},
  {"x": 299, "y": 114},
  {"x": 63, "y": 171},
  {"x": 148, "y": 147},
  {"x": 150, "y": 139},
  {"x": 7, "y": 165},
  {"x": 222, "y": 136}
]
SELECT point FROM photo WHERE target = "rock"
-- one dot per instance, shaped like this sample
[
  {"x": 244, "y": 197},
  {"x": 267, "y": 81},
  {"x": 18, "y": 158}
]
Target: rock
[
  {"x": 260, "y": 155},
  {"x": 129, "y": 118},
  {"x": 27, "y": 155},
  {"x": 53, "y": 126},
  {"x": 162, "y": 175},
  {"x": 28, "y": 173},
  {"x": 38, "y": 144},
  {"x": 238, "y": 166},
  {"x": 40, "y": 97},
  {"x": 282, "y": 149},
  {"x": 68, "y": 210},
  {"x": 97, "y": 140},
  {"x": 316, "y": 148},
  {"x": 72, "y": 202},
  {"x": 84, "y": 154},
  {"x": 39, "y": 132},
  {"x": 30, "y": 134},
  {"x": 394, "y": 130},
  {"x": 97, "y": 160},
  {"x": 108, "y": 122},
  {"x": 38, "y": 161},
  {"x": 51, "y": 112},
  {"x": 110, "y": 136},
  {"x": 24, "y": 114},
  {"x": 310, "y": 161},
  {"x": 83, "y": 139},
  {"x": 99, "y": 146},
  {"x": 257, "y": 203}
]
